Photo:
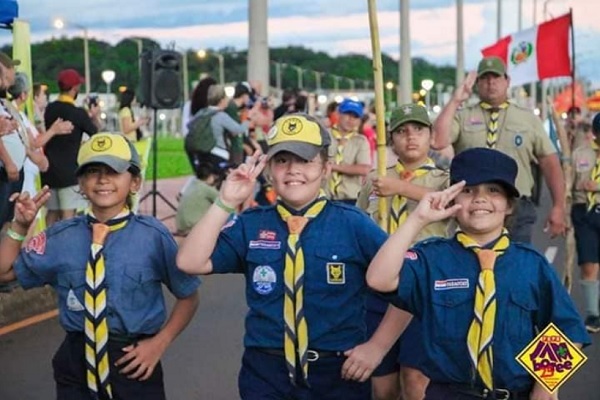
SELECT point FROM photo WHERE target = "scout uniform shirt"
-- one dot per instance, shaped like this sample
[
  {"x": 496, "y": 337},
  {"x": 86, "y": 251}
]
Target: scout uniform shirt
[
  {"x": 437, "y": 284},
  {"x": 356, "y": 151},
  {"x": 338, "y": 245},
  {"x": 435, "y": 179},
  {"x": 584, "y": 160},
  {"x": 520, "y": 135}
]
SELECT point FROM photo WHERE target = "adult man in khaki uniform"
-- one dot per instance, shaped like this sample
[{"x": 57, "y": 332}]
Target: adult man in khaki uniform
[
  {"x": 496, "y": 123},
  {"x": 349, "y": 154}
]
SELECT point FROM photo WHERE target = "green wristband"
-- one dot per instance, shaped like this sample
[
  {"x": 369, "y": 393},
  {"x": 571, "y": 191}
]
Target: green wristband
[
  {"x": 219, "y": 203},
  {"x": 14, "y": 235}
]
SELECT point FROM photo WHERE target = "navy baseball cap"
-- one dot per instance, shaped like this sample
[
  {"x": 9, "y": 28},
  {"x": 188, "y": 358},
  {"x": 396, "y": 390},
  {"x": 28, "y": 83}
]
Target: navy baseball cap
[
  {"x": 596, "y": 124},
  {"x": 349, "y": 106},
  {"x": 480, "y": 165}
]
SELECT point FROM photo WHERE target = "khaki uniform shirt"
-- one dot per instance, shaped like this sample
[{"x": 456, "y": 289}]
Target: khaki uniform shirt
[
  {"x": 436, "y": 179},
  {"x": 584, "y": 160},
  {"x": 356, "y": 151},
  {"x": 521, "y": 135}
]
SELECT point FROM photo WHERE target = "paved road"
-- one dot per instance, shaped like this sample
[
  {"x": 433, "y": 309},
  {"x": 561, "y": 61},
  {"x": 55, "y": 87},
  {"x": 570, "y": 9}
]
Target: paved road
[{"x": 203, "y": 363}]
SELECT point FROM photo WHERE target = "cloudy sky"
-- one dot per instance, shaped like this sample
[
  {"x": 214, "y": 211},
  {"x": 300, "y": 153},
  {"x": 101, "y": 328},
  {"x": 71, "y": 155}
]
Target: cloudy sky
[{"x": 333, "y": 26}]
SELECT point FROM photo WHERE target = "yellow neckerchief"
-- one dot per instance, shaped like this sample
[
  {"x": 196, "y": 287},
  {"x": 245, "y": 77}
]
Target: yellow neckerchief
[
  {"x": 65, "y": 98},
  {"x": 480, "y": 337},
  {"x": 399, "y": 210},
  {"x": 95, "y": 301},
  {"x": 296, "y": 326},
  {"x": 592, "y": 200},
  {"x": 492, "y": 126},
  {"x": 336, "y": 177}
]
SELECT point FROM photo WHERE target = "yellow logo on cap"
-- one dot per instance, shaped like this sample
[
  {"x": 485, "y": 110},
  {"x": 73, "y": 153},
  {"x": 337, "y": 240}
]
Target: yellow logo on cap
[
  {"x": 101, "y": 143},
  {"x": 551, "y": 358},
  {"x": 291, "y": 126}
]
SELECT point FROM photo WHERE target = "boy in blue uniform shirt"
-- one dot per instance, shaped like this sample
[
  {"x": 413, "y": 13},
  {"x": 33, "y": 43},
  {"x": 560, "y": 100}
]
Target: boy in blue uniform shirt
[
  {"x": 305, "y": 261},
  {"x": 436, "y": 280},
  {"x": 110, "y": 299}
]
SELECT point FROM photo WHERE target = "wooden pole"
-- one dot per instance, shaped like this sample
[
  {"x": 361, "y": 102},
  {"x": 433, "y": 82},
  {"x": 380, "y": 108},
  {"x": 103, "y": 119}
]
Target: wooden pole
[
  {"x": 379, "y": 107},
  {"x": 567, "y": 167}
]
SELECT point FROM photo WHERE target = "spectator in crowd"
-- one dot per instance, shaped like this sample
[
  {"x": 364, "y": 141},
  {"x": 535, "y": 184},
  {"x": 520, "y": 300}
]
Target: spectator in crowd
[
  {"x": 61, "y": 147},
  {"x": 129, "y": 125}
]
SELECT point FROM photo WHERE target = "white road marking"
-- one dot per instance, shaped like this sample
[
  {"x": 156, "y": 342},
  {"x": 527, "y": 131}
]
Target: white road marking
[{"x": 551, "y": 253}]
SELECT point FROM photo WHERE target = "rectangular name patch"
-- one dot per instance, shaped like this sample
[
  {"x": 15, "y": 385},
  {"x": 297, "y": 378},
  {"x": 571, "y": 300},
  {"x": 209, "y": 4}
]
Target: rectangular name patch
[
  {"x": 264, "y": 244},
  {"x": 451, "y": 284}
]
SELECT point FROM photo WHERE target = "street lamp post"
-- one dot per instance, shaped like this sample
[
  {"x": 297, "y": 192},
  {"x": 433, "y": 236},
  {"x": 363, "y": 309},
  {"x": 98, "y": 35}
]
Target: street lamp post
[
  {"x": 108, "y": 76},
  {"x": 60, "y": 24},
  {"x": 352, "y": 84},
  {"x": 300, "y": 72},
  {"x": 203, "y": 54},
  {"x": 336, "y": 82},
  {"x": 389, "y": 86},
  {"x": 439, "y": 87},
  {"x": 318, "y": 79},
  {"x": 427, "y": 85}
]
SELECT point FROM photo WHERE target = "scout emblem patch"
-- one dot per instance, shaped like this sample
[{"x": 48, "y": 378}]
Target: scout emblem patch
[
  {"x": 264, "y": 279},
  {"x": 551, "y": 358},
  {"x": 336, "y": 273},
  {"x": 37, "y": 244}
]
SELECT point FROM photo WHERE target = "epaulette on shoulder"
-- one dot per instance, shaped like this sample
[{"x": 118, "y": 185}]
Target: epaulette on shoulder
[
  {"x": 60, "y": 226},
  {"x": 151, "y": 222},
  {"x": 527, "y": 247},
  {"x": 434, "y": 240},
  {"x": 258, "y": 209}
]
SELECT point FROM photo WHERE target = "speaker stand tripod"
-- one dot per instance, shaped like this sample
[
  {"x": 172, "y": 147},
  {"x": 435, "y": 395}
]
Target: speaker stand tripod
[{"x": 155, "y": 192}]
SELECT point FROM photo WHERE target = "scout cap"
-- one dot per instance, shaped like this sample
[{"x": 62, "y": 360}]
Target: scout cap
[
  {"x": 491, "y": 64},
  {"x": 110, "y": 149},
  {"x": 7, "y": 61},
  {"x": 409, "y": 113},
  {"x": 480, "y": 165},
  {"x": 349, "y": 106},
  {"x": 299, "y": 134}
]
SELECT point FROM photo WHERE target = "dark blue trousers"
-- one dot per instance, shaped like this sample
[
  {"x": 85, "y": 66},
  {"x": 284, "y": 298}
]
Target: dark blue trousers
[
  {"x": 265, "y": 377},
  {"x": 70, "y": 374}
]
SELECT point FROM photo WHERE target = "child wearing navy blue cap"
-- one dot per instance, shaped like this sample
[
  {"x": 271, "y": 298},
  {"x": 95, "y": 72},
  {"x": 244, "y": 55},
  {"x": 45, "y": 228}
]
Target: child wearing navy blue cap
[
  {"x": 304, "y": 260},
  {"x": 436, "y": 280}
]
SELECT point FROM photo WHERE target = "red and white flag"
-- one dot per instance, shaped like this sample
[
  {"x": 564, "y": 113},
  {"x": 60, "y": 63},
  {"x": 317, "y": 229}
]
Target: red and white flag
[{"x": 537, "y": 53}]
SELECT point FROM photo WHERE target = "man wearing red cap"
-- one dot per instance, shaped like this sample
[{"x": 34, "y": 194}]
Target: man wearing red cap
[{"x": 61, "y": 150}]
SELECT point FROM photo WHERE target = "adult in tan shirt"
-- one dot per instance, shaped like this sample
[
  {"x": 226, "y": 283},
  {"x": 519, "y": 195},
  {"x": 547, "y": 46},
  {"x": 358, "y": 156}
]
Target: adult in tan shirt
[
  {"x": 518, "y": 133},
  {"x": 349, "y": 154}
]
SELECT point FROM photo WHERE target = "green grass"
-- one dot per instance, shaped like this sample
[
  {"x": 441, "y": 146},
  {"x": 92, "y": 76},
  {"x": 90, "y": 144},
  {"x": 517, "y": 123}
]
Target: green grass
[{"x": 172, "y": 160}]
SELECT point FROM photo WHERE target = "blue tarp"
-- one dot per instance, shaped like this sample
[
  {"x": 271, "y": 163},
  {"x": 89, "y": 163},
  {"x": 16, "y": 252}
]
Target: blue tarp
[{"x": 9, "y": 10}]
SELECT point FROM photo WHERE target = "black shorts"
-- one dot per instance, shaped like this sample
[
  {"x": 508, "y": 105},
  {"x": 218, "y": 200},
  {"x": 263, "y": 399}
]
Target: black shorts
[{"x": 587, "y": 233}]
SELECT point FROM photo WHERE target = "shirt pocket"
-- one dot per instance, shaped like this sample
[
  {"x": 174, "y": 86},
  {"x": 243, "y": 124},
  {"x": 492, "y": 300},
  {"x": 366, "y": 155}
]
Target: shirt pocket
[
  {"x": 70, "y": 287},
  {"x": 518, "y": 137},
  {"x": 452, "y": 314},
  {"x": 139, "y": 289},
  {"x": 337, "y": 266},
  {"x": 520, "y": 318}
]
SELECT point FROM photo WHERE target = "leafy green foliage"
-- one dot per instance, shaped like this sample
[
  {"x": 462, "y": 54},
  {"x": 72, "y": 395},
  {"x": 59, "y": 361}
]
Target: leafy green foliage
[{"x": 51, "y": 56}]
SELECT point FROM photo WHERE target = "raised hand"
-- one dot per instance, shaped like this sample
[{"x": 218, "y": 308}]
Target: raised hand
[
  {"x": 240, "y": 182},
  {"x": 26, "y": 207},
  {"x": 433, "y": 206},
  {"x": 465, "y": 90}
]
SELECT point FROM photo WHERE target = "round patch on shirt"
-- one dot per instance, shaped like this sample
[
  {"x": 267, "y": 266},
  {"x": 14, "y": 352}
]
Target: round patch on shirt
[
  {"x": 518, "y": 140},
  {"x": 264, "y": 279}
]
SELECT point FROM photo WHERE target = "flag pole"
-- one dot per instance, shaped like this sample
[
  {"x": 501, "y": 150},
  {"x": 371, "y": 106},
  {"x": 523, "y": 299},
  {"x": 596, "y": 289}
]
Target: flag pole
[
  {"x": 379, "y": 106},
  {"x": 572, "y": 59}
]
